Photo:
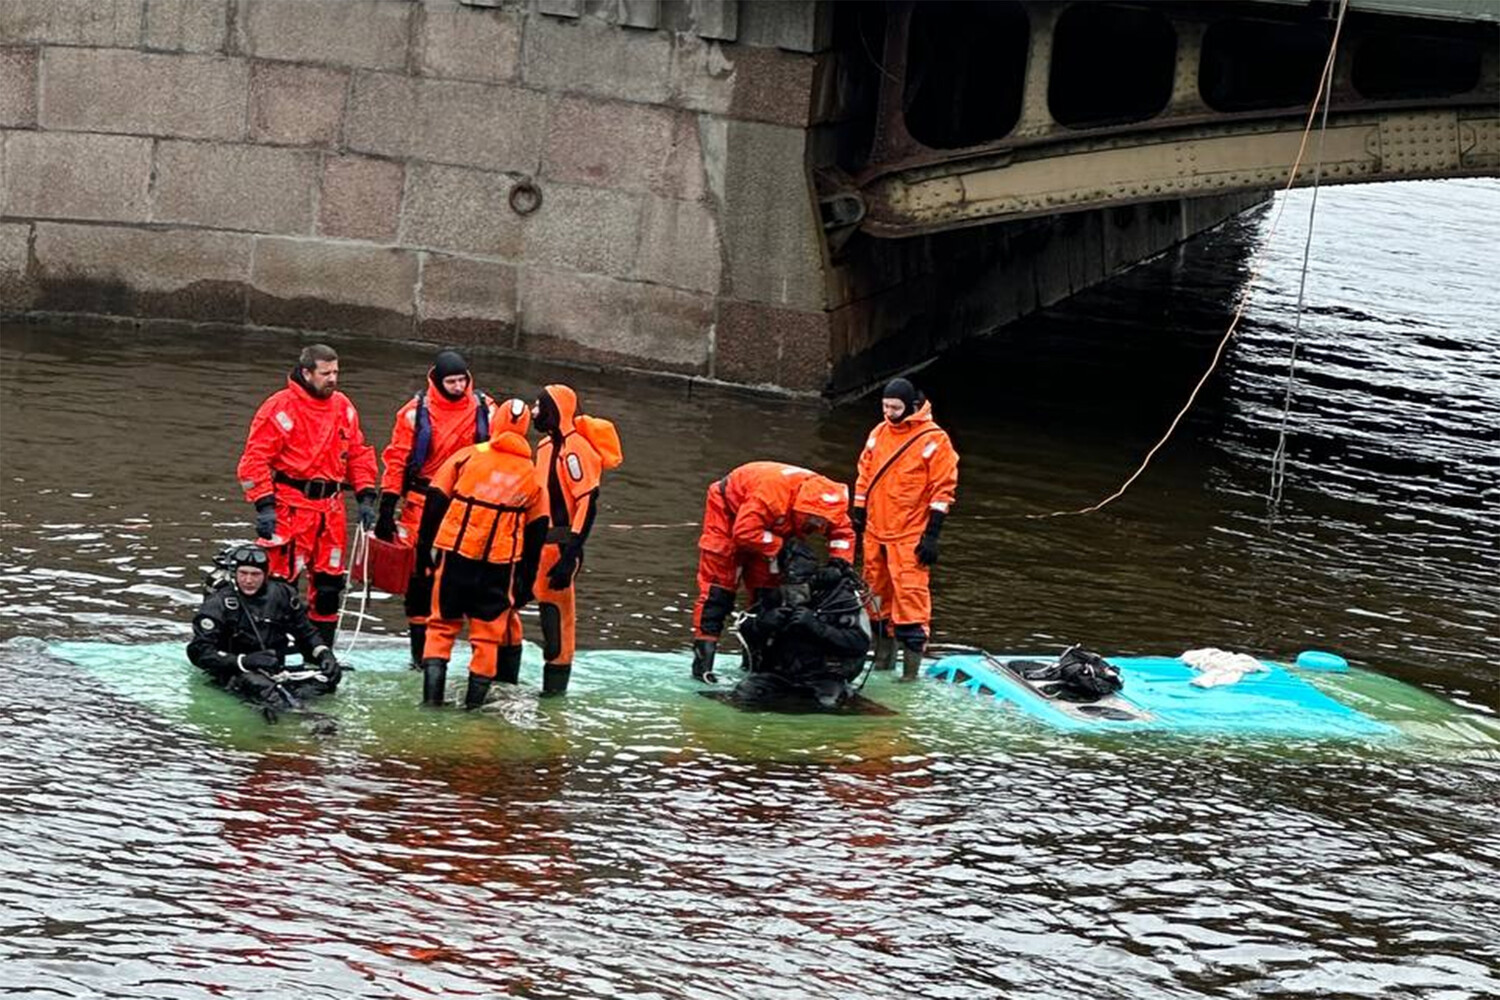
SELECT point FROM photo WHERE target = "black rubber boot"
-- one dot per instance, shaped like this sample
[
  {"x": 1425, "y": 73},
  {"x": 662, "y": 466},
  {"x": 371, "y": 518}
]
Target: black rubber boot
[
  {"x": 704, "y": 651},
  {"x": 911, "y": 664},
  {"x": 885, "y": 651},
  {"x": 479, "y": 689},
  {"x": 508, "y": 665},
  {"x": 434, "y": 681},
  {"x": 327, "y": 630},
  {"x": 555, "y": 679},
  {"x": 418, "y": 640}
]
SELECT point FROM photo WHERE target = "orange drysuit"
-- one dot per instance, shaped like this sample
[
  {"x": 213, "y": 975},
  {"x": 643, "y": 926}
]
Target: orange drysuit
[
  {"x": 746, "y": 517},
  {"x": 429, "y": 430},
  {"x": 907, "y": 472},
  {"x": 570, "y": 462},
  {"x": 304, "y": 451},
  {"x": 486, "y": 526}
]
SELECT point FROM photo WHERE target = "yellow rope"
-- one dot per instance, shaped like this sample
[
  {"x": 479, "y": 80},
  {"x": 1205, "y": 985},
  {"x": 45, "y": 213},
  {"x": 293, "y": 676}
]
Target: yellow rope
[{"x": 1244, "y": 299}]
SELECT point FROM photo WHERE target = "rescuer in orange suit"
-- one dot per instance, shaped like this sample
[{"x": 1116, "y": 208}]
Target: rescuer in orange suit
[
  {"x": 304, "y": 448},
  {"x": 447, "y": 415},
  {"x": 908, "y": 473},
  {"x": 482, "y": 530},
  {"x": 570, "y": 461},
  {"x": 747, "y": 517}
]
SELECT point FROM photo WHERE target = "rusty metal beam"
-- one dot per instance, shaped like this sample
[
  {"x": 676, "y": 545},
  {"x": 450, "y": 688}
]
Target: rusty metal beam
[{"x": 1085, "y": 174}]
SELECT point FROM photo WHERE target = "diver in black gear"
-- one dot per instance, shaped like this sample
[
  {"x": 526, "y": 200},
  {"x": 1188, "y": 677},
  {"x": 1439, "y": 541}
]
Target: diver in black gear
[
  {"x": 244, "y": 627},
  {"x": 806, "y": 638}
]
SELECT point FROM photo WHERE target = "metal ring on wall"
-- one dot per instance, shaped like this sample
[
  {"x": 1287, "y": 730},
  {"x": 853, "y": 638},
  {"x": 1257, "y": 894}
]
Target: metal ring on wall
[{"x": 525, "y": 197}]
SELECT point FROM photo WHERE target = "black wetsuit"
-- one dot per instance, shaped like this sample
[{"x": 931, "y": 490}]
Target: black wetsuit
[
  {"x": 230, "y": 625},
  {"x": 806, "y": 640}
]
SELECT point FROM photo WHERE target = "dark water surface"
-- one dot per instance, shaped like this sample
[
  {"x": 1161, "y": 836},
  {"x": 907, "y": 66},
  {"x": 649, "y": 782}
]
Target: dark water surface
[{"x": 143, "y": 857}]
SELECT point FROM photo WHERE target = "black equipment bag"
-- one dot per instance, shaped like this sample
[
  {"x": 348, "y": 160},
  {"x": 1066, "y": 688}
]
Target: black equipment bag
[{"x": 1079, "y": 675}]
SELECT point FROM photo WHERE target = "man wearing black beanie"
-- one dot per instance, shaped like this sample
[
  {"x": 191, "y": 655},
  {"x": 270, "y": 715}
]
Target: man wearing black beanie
[
  {"x": 448, "y": 414},
  {"x": 908, "y": 474}
]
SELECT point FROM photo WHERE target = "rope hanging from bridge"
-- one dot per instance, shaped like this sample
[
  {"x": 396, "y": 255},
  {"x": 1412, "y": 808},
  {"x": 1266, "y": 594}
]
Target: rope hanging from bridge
[{"x": 1279, "y": 460}]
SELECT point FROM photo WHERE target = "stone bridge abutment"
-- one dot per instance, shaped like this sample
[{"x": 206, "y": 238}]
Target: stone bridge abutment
[{"x": 800, "y": 194}]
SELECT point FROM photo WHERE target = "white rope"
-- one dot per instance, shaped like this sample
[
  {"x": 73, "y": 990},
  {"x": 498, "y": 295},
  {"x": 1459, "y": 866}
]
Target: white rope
[
  {"x": 1278, "y": 457},
  {"x": 359, "y": 555}
]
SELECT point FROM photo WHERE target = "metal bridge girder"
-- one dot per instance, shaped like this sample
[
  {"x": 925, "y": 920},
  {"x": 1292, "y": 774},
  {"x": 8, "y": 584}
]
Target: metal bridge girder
[{"x": 1086, "y": 174}]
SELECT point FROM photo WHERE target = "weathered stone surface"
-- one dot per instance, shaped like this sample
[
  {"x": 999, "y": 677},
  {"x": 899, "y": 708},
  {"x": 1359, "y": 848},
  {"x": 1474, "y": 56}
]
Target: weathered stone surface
[
  {"x": 762, "y": 344},
  {"x": 76, "y": 176},
  {"x": 71, "y": 22},
  {"x": 637, "y": 13},
  {"x": 259, "y": 188},
  {"x": 140, "y": 272},
  {"x": 366, "y": 33},
  {"x": 743, "y": 81},
  {"x": 16, "y": 291},
  {"x": 772, "y": 235},
  {"x": 772, "y": 86},
  {"x": 361, "y": 198},
  {"x": 462, "y": 43},
  {"x": 319, "y": 285},
  {"x": 18, "y": 87},
  {"x": 703, "y": 74},
  {"x": 625, "y": 146},
  {"x": 801, "y": 25},
  {"x": 587, "y": 229},
  {"x": 560, "y": 8},
  {"x": 679, "y": 245},
  {"x": 117, "y": 90},
  {"x": 467, "y": 301},
  {"x": 445, "y": 121},
  {"x": 187, "y": 25},
  {"x": 587, "y": 317},
  {"x": 451, "y": 208},
  {"x": 592, "y": 57},
  {"x": 673, "y": 328},
  {"x": 296, "y": 105},
  {"x": 715, "y": 19}
]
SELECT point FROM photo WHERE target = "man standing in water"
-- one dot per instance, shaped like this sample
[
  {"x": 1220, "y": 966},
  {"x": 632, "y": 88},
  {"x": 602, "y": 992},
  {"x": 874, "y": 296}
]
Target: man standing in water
[
  {"x": 446, "y": 416},
  {"x": 305, "y": 446},
  {"x": 482, "y": 528},
  {"x": 908, "y": 474},
  {"x": 240, "y": 636},
  {"x": 570, "y": 462}
]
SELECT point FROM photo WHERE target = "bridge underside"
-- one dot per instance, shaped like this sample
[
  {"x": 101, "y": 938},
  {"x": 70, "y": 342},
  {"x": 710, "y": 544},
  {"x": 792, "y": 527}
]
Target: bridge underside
[
  {"x": 1008, "y": 110},
  {"x": 994, "y": 157}
]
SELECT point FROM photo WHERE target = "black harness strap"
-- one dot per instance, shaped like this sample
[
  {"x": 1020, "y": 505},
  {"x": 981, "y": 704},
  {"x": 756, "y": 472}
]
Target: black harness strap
[{"x": 870, "y": 489}]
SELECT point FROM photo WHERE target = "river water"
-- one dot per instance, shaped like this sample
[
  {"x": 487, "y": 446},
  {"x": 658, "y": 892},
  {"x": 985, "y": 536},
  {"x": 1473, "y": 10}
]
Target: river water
[{"x": 644, "y": 854}]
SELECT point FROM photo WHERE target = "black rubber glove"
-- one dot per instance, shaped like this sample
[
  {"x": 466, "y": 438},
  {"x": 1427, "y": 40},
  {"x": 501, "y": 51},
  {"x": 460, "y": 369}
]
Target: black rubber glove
[
  {"x": 560, "y": 576},
  {"x": 265, "y": 518},
  {"x": 262, "y": 659},
  {"x": 927, "y": 545},
  {"x": 330, "y": 667},
  {"x": 804, "y": 618},
  {"x": 385, "y": 524},
  {"x": 777, "y": 618},
  {"x": 858, "y": 516},
  {"x": 367, "y": 514},
  {"x": 257, "y": 684}
]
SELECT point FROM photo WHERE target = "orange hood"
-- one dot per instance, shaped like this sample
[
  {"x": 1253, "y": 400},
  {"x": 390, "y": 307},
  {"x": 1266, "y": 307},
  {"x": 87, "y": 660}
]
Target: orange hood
[{"x": 511, "y": 417}]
